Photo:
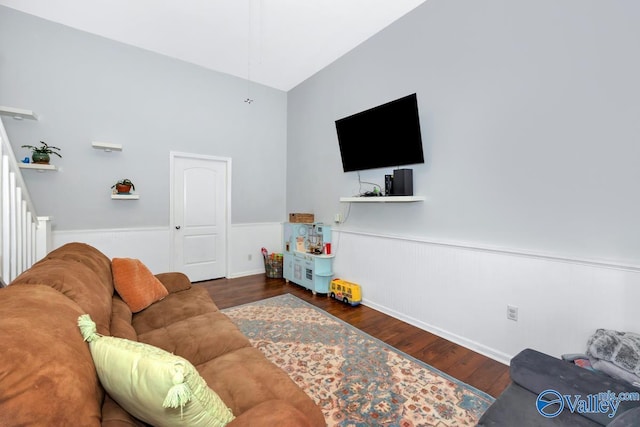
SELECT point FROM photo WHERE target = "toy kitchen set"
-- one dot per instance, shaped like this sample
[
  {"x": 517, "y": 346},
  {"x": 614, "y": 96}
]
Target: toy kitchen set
[{"x": 308, "y": 260}]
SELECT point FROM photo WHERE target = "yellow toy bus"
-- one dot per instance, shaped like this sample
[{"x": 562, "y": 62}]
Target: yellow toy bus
[{"x": 346, "y": 292}]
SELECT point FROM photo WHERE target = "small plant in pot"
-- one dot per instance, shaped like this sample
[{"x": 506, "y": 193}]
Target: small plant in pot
[
  {"x": 41, "y": 154},
  {"x": 123, "y": 186}
]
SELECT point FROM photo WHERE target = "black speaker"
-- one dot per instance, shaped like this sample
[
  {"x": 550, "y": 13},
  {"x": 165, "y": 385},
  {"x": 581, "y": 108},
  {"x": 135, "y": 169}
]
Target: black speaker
[
  {"x": 402, "y": 182},
  {"x": 388, "y": 184}
]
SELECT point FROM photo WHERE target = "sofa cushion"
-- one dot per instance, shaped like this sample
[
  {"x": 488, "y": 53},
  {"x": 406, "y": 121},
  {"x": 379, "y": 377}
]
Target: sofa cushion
[
  {"x": 185, "y": 337},
  {"x": 135, "y": 283},
  {"x": 153, "y": 385},
  {"x": 173, "y": 308},
  {"x": 47, "y": 377}
]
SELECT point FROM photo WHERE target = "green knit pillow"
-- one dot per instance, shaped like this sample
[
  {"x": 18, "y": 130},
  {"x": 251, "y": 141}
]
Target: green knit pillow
[{"x": 152, "y": 384}]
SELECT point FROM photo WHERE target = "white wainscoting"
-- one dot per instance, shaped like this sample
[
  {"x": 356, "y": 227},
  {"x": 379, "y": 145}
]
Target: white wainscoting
[
  {"x": 149, "y": 245},
  {"x": 152, "y": 245},
  {"x": 456, "y": 291},
  {"x": 248, "y": 240},
  {"x": 461, "y": 293}
]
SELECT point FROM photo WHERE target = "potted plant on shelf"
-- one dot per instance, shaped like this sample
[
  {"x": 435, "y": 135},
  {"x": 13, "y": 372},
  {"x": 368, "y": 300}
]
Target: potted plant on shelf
[
  {"x": 123, "y": 186},
  {"x": 41, "y": 154}
]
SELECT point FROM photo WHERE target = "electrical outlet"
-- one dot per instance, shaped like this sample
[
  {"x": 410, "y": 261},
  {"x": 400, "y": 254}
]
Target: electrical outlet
[
  {"x": 338, "y": 218},
  {"x": 250, "y": 257},
  {"x": 512, "y": 313}
]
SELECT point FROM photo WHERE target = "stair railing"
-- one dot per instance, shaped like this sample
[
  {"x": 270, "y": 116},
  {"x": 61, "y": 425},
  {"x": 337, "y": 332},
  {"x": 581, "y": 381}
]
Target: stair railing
[{"x": 24, "y": 237}]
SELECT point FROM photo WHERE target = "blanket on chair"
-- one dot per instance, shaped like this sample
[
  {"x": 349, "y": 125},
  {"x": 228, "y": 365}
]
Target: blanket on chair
[{"x": 620, "y": 348}]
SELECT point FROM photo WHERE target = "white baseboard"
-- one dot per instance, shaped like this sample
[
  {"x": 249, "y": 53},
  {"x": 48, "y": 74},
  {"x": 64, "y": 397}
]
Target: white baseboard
[
  {"x": 470, "y": 344},
  {"x": 245, "y": 273}
]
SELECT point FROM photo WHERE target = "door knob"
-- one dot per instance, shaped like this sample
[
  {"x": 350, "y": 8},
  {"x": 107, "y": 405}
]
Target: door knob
[{"x": 177, "y": 227}]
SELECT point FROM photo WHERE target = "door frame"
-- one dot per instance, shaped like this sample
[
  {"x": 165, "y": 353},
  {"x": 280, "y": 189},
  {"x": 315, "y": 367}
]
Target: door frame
[{"x": 227, "y": 223}]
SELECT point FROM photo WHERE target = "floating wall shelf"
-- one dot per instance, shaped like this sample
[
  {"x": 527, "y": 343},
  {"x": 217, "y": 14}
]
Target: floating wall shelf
[
  {"x": 106, "y": 146},
  {"x": 383, "y": 199},
  {"x": 18, "y": 113},
  {"x": 125, "y": 196},
  {"x": 37, "y": 166}
]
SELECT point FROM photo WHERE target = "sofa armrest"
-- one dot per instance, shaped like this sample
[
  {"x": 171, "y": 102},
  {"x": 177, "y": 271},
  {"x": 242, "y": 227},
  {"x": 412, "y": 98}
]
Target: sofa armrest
[
  {"x": 272, "y": 413},
  {"x": 174, "y": 281},
  {"x": 537, "y": 372}
]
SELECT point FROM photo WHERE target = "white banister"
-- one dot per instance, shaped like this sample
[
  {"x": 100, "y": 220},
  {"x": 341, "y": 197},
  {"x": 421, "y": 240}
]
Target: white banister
[
  {"x": 24, "y": 237},
  {"x": 4, "y": 217},
  {"x": 42, "y": 237},
  {"x": 13, "y": 228}
]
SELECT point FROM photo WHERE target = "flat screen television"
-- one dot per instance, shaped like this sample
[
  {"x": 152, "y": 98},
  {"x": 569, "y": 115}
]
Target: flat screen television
[{"x": 384, "y": 136}]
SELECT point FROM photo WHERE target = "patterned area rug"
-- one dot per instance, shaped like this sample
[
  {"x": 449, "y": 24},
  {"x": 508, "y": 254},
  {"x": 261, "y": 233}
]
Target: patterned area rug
[{"x": 357, "y": 379}]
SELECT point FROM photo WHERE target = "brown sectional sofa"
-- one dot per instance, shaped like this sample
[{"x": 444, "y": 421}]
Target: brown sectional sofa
[{"x": 47, "y": 375}]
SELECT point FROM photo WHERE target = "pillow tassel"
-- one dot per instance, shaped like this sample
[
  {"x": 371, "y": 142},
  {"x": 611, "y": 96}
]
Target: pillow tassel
[
  {"x": 87, "y": 328},
  {"x": 179, "y": 394}
]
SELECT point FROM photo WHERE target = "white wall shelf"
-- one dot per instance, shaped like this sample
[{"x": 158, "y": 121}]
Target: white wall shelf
[
  {"x": 125, "y": 196},
  {"x": 383, "y": 199},
  {"x": 37, "y": 166},
  {"x": 18, "y": 113},
  {"x": 106, "y": 146}
]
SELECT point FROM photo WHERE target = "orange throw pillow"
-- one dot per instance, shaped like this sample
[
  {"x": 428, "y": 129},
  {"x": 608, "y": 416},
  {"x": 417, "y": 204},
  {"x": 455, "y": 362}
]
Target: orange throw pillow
[{"x": 135, "y": 283}]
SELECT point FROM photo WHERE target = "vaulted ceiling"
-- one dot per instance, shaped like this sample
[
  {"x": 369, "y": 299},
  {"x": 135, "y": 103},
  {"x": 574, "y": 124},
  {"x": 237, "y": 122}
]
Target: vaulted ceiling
[{"x": 278, "y": 43}]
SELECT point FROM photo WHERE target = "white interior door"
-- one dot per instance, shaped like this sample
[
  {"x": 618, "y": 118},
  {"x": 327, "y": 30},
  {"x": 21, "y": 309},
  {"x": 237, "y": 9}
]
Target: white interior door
[{"x": 199, "y": 215}]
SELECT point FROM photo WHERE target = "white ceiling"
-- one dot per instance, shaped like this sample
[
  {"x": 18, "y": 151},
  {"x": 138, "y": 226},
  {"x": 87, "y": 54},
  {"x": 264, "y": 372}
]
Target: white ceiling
[{"x": 278, "y": 43}]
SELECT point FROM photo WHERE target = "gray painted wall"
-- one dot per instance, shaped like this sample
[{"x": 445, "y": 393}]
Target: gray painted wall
[
  {"x": 530, "y": 120},
  {"x": 87, "y": 88}
]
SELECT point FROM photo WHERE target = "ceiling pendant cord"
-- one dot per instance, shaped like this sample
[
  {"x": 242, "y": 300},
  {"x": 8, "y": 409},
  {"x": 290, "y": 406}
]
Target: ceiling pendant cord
[{"x": 252, "y": 17}]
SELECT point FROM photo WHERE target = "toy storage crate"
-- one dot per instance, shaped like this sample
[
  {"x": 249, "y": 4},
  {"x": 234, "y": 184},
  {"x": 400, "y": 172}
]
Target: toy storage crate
[
  {"x": 273, "y": 267},
  {"x": 301, "y": 217}
]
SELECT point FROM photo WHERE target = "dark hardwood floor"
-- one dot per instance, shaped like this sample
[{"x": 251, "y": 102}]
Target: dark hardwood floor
[{"x": 466, "y": 365}]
